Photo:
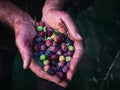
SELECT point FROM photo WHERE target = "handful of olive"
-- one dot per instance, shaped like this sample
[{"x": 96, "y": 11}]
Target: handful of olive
[{"x": 52, "y": 50}]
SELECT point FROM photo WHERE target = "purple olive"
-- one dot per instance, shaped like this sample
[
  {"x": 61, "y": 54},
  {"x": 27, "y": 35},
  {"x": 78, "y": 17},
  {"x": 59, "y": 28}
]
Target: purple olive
[
  {"x": 41, "y": 23},
  {"x": 61, "y": 64},
  {"x": 61, "y": 75},
  {"x": 54, "y": 57},
  {"x": 48, "y": 53},
  {"x": 70, "y": 53},
  {"x": 49, "y": 32},
  {"x": 68, "y": 64},
  {"x": 53, "y": 49},
  {"x": 59, "y": 52},
  {"x": 51, "y": 71},
  {"x": 48, "y": 42},
  {"x": 55, "y": 44},
  {"x": 64, "y": 47},
  {"x": 43, "y": 47},
  {"x": 58, "y": 38},
  {"x": 42, "y": 34},
  {"x": 65, "y": 54},
  {"x": 65, "y": 69},
  {"x": 59, "y": 69}
]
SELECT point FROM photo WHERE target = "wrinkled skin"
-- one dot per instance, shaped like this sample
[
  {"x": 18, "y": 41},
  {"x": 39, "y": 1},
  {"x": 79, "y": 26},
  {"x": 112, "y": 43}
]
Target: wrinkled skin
[{"x": 25, "y": 33}]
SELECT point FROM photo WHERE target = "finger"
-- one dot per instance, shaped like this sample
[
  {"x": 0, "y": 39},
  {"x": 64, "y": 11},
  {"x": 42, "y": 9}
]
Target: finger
[
  {"x": 69, "y": 75},
  {"x": 77, "y": 55},
  {"x": 42, "y": 74},
  {"x": 72, "y": 29},
  {"x": 63, "y": 84},
  {"x": 25, "y": 51},
  {"x": 76, "y": 58}
]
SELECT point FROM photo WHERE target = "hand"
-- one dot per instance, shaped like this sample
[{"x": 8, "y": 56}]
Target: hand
[
  {"x": 53, "y": 19},
  {"x": 24, "y": 34}
]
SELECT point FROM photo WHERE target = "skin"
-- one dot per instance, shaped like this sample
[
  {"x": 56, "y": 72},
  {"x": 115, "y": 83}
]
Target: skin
[{"x": 23, "y": 27}]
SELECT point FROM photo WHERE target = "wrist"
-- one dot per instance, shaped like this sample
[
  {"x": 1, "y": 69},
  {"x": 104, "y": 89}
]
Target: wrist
[
  {"x": 48, "y": 8},
  {"x": 12, "y": 15},
  {"x": 53, "y": 5}
]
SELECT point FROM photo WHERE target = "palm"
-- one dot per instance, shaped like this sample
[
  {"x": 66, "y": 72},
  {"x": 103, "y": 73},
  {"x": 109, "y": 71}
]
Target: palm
[
  {"x": 24, "y": 43},
  {"x": 42, "y": 74},
  {"x": 53, "y": 19},
  {"x": 24, "y": 34}
]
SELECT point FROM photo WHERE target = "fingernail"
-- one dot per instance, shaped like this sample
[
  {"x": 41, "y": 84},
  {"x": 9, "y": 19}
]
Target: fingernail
[
  {"x": 79, "y": 37},
  {"x": 25, "y": 65}
]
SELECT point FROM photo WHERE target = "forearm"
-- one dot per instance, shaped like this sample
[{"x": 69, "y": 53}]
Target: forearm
[
  {"x": 11, "y": 14},
  {"x": 54, "y": 4}
]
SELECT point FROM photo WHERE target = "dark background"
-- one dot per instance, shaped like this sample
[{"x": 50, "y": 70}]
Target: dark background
[{"x": 98, "y": 22}]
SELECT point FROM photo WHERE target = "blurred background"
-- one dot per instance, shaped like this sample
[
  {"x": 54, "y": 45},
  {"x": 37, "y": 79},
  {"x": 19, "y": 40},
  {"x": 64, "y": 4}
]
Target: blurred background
[{"x": 98, "y": 22}]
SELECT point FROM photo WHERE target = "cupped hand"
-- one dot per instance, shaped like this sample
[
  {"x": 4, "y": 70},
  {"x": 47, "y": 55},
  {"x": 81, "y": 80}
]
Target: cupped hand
[
  {"x": 24, "y": 34},
  {"x": 57, "y": 19}
]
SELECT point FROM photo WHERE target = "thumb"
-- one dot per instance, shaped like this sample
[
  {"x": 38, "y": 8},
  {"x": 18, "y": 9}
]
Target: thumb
[
  {"x": 25, "y": 52},
  {"x": 72, "y": 29}
]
